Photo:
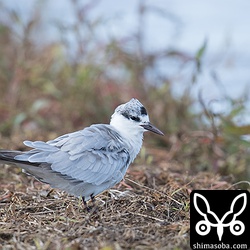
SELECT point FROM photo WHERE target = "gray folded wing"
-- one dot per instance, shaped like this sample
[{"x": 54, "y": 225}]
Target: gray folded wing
[{"x": 94, "y": 158}]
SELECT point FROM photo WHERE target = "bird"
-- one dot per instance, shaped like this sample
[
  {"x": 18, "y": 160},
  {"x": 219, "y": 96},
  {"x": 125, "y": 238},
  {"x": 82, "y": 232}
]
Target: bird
[{"x": 87, "y": 162}]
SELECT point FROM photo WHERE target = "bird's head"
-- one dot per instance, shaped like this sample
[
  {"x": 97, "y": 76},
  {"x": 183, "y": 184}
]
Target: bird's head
[{"x": 132, "y": 117}]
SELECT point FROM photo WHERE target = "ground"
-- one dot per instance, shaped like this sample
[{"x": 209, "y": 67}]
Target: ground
[{"x": 150, "y": 210}]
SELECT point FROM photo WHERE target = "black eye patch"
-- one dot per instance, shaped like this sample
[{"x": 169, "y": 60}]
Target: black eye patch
[
  {"x": 135, "y": 118},
  {"x": 143, "y": 111}
]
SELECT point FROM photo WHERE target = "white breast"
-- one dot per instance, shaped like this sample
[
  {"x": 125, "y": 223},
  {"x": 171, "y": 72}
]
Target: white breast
[{"x": 130, "y": 131}]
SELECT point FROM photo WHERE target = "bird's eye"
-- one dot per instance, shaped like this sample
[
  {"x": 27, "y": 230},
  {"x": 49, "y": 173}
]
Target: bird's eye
[{"x": 134, "y": 118}]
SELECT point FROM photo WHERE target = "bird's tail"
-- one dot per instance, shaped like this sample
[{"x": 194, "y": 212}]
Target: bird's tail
[
  {"x": 8, "y": 156},
  {"x": 42, "y": 171},
  {"x": 38, "y": 170}
]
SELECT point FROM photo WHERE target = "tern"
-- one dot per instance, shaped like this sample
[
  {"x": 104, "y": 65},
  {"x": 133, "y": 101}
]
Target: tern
[{"x": 87, "y": 162}]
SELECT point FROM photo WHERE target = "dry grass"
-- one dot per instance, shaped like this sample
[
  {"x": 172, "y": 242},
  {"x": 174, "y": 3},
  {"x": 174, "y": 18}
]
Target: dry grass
[{"x": 150, "y": 212}]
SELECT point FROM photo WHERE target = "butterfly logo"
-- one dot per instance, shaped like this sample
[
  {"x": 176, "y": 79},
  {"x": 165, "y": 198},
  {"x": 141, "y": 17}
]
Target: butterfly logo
[{"x": 203, "y": 227}]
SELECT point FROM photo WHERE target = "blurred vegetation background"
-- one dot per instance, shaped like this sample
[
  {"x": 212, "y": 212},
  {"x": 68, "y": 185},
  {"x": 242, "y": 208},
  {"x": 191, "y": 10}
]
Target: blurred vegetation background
[{"x": 51, "y": 88}]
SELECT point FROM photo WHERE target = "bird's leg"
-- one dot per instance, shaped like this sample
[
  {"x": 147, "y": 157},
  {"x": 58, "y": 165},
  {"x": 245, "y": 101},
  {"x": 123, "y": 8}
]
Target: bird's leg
[
  {"x": 89, "y": 209},
  {"x": 85, "y": 204},
  {"x": 92, "y": 199},
  {"x": 94, "y": 208}
]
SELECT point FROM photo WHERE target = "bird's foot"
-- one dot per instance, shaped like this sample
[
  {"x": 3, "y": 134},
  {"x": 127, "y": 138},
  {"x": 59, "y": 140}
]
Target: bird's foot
[{"x": 90, "y": 209}]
